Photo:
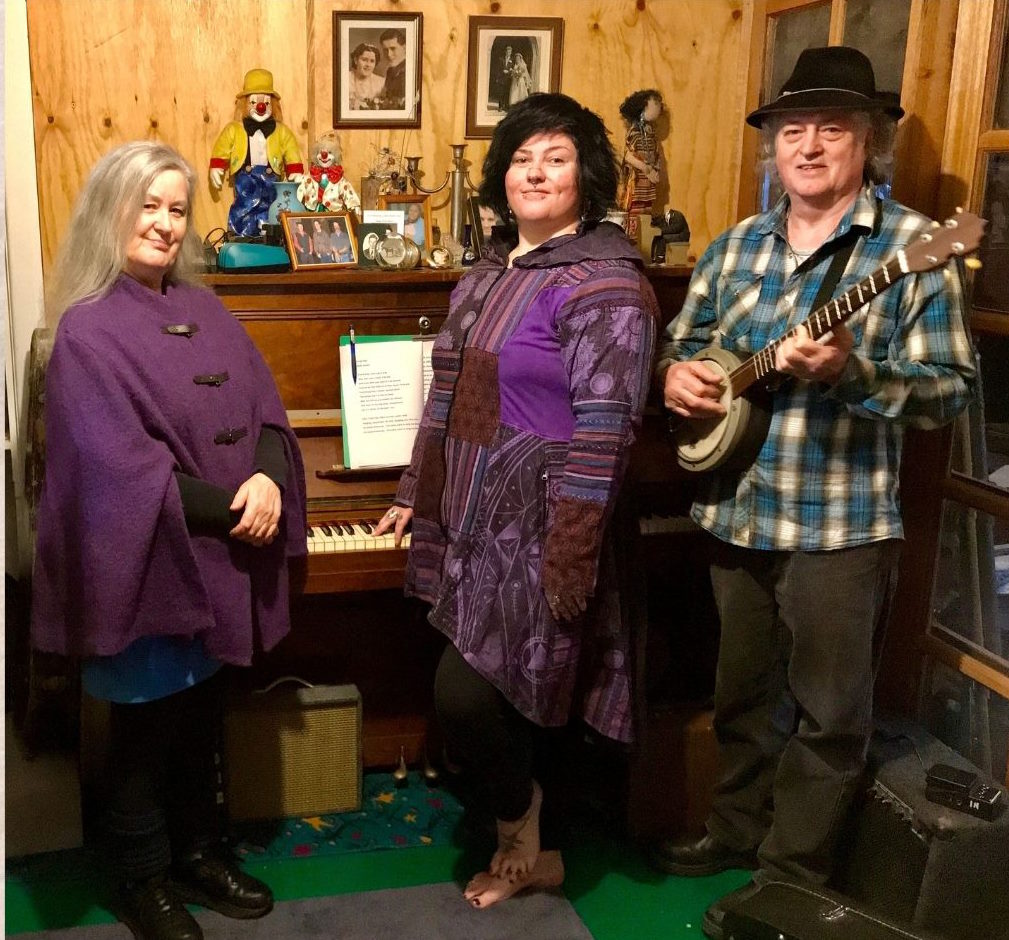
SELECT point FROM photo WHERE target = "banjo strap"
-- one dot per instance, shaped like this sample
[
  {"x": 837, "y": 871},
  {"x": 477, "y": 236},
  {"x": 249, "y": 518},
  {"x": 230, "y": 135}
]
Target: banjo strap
[{"x": 838, "y": 263}]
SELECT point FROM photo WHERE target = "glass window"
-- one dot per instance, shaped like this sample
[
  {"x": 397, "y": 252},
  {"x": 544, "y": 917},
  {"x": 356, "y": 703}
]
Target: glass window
[
  {"x": 967, "y": 717},
  {"x": 879, "y": 29},
  {"x": 1001, "y": 116},
  {"x": 970, "y": 593},
  {"x": 981, "y": 438},
  {"x": 991, "y": 283},
  {"x": 787, "y": 35}
]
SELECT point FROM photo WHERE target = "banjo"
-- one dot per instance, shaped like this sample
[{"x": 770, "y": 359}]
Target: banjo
[{"x": 732, "y": 440}]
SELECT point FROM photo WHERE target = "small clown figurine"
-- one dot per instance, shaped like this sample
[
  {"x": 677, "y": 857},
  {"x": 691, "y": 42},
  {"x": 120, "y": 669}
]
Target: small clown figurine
[
  {"x": 324, "y": 188},
  {"x": 257, "y": 150}
]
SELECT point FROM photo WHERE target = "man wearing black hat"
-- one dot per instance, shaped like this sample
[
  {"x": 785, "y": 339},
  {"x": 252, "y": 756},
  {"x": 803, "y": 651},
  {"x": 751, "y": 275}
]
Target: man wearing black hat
[{"x": 806, "y": 540}]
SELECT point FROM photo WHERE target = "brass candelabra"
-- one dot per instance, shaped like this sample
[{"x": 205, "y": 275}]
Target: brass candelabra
[{"x": 461, "y": 186}]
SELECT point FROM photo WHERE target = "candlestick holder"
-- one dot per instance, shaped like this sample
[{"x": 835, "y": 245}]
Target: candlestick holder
[{"x": 457, "y": 178}]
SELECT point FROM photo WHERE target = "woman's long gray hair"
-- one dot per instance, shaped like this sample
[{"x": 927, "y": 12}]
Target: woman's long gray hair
[
  {"x": 878, "y": 149},
  {"x": 93, "y": 252}
]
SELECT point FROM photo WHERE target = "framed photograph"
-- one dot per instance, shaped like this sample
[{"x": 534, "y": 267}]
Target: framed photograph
[
  {"x": 510, "y": 57},
  {"x": 318, "y": 240},
  {"x": 482, "y": 219},
  {"x": 416, "y": 211},
  {"x": 369, "y": 234},
  {"x": 376, "y": 69}
]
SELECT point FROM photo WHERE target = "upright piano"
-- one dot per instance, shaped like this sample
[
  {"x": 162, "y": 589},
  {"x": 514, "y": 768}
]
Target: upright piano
[{"x": 350, "y": 621}]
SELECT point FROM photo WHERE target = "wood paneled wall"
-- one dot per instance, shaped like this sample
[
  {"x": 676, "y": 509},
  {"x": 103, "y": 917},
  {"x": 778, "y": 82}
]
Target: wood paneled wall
[{"x": 108, "y": 71}]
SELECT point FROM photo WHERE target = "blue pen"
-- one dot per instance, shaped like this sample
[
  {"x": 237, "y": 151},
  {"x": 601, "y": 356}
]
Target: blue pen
[{"x": 353, "y": 357}]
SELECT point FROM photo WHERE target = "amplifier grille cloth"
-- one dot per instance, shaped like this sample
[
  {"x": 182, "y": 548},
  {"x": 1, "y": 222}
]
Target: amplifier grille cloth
[{"x": 294, "y": 753}]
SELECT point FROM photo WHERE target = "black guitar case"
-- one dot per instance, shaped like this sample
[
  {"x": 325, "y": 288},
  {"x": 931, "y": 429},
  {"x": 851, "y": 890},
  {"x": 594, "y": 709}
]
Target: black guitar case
[{"x": 784, "y": 911}]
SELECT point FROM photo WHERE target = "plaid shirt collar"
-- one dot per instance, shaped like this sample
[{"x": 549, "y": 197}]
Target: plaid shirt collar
[{"x": 864, "y": 214}]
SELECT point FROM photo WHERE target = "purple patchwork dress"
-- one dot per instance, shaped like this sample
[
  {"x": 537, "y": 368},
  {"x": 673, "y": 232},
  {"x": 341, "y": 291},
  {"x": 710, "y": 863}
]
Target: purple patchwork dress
[{"x": 540, "y": 375}]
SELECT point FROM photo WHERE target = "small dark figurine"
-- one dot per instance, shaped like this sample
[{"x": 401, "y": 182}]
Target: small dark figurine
[
  {"x": 641, "y": 150},
  {"x": 673, "y": 228}
]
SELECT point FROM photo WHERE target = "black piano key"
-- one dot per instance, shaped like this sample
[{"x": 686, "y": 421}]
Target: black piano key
[
  {"x": 326, "y": 529},
  {"x": 367, "y": 526}
]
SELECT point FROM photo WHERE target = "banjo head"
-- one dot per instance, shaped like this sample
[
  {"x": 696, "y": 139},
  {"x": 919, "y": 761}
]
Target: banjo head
[{"x": 709, "y": 443}]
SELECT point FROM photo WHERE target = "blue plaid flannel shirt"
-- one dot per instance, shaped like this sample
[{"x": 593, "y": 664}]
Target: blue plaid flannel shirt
[{"x": 827, "y": 475}]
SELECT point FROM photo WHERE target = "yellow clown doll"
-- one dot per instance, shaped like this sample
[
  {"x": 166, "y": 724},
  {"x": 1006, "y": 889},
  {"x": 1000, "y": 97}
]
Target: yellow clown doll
[{"x": 257, "y": 150}]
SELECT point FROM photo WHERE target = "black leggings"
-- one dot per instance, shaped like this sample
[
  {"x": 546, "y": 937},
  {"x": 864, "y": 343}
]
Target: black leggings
[
  {"x": 163, "y": 779},
  {"x": 499, "y": 749}
]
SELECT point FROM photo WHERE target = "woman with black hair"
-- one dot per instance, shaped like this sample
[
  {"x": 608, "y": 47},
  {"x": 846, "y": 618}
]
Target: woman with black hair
[{"x": 540, "y": 376}]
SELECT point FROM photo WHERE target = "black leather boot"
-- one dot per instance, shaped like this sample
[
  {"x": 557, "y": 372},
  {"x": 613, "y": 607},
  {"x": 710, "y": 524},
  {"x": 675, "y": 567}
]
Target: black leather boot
[
  {"x": 216, "y": 881},
  {"x": 705, "y": 856},
  {"x": 153, "y": 911}
]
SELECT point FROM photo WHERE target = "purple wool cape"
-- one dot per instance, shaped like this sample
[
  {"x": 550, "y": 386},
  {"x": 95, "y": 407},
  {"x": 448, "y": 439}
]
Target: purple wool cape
[
  {"x": 540, "y": 377},
  {"x": 114, "y": 560}
]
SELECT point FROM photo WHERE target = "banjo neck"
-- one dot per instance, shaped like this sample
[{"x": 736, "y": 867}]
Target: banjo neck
[{"x": 821, "y": 321}]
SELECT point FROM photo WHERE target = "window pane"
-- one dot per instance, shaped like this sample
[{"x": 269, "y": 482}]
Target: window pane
[
  {"x": 787, "y": 35},
  {"x": 967, "y": 717},
  {"x": 1001, "y": 118},
  {"x": 879, "y": 29},
  {"x": 991, "y": 283},
  {"x": 970, "y": 593},
  {"x": 981, "y": 437}
]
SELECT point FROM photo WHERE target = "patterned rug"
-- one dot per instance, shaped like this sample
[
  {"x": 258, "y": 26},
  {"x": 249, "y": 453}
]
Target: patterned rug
[{"x": 391, "y": 817}]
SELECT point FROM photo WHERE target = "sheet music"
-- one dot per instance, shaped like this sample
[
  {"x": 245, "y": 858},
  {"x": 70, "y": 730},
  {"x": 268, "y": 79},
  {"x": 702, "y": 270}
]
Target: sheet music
[{"x": 383, "y": 408}]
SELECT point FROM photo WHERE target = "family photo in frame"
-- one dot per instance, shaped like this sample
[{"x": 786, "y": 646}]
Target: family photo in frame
[
  {"x": 416, "y": 211},
  {"x": 318, "y": 240},
  {"x": 510, "y": 58},
  {"x": 377, "y": 69},
  {"x": 482, "y": 220}
]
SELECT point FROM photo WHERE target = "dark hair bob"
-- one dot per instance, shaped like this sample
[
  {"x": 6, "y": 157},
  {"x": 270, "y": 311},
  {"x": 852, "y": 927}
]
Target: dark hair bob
[
  {"x": 556, "y": 114},
  {"x": 633, "y": 106}
]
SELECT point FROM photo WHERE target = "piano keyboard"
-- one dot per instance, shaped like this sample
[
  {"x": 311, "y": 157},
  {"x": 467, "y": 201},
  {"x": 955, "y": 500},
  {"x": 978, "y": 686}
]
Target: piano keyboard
[{"x": 343, "y": 536}]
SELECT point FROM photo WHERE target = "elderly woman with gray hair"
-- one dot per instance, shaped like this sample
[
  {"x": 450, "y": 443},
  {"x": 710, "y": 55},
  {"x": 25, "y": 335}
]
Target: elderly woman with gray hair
[{"x": 173, "y": 496}]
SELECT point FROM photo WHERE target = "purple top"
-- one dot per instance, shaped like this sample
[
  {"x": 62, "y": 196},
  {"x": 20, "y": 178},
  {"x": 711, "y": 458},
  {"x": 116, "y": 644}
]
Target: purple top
[
  {"x": 540, "y": 376},
  {"x": 532, "y": 379},
  {"x": 139, "y": 385}
]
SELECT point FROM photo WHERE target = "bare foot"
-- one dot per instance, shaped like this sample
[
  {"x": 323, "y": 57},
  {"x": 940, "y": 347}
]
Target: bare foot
[
  {"x": 518, "y": 841},
  {"x": 485, "y": 889}
]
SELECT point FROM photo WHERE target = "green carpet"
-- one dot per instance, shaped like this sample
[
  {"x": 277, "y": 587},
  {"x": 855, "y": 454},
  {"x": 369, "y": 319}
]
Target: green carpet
[{"x": 402, "y": 837}]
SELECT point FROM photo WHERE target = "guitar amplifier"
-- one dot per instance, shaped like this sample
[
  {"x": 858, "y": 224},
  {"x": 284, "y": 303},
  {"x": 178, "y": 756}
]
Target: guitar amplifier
[
  {"x": 293, "y": 750},
  {"x": 918, "y": 861}
]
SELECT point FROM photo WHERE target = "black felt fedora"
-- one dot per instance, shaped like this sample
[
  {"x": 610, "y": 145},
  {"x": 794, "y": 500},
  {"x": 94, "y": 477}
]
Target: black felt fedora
[{"x": 833, "y": 77}]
